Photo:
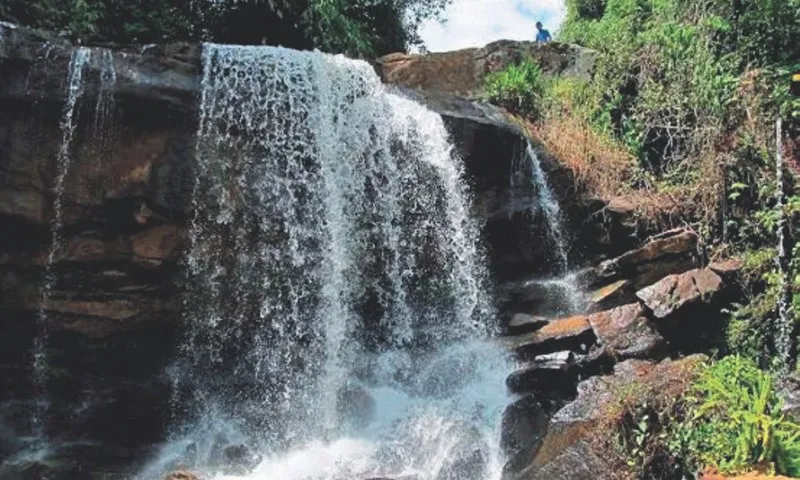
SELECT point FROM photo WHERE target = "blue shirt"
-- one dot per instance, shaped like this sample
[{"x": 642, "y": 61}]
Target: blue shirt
[{"x": 543, "y": 36}]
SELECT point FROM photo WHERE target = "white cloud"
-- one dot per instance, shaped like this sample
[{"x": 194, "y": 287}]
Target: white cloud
[{"x": 474, "y": 23}]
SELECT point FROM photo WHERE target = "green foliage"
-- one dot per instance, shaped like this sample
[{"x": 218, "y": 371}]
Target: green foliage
[
  {"x": 357, "y": 27},
  {"x": 692, "y": 89},
  {"x": 735, "y": 424},
  {"x": 517, "y": 88},
  {"x": 667, "y": 77}
]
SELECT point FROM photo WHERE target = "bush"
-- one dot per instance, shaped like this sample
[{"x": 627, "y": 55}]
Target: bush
[
  {"x": 517, "y": 88},
  {"x": 735, "y": 422},
  {"x": 590, "y": 9}
]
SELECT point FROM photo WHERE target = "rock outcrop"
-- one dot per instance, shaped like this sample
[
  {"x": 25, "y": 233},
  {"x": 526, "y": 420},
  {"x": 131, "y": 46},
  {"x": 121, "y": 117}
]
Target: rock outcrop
[
  {"x": 674, "y": 293},
  {"x": 575, "y": 441},
  {"x": 462, "y": 72},
  {"x": 576, "y": 366},
  {"x": 108, "y": 280},
  {"x": 127, "y": 194}
]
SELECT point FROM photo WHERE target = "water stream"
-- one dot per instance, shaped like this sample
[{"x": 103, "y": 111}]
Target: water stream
[
  {"x": 547, "y": 224},
  {"x": 78, "y": 79},
  {"x": 548, "y": 205},
  {"x": 337, "y": 326},
  {"x": 785, "y": 323},
  {"x": 75, "y": 89}
]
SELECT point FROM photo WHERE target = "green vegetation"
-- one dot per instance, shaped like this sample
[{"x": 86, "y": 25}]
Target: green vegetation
[
  {"x": 729, "y": 421},
  {"x": 357, "y": 27},
  {"x": 691, "y": 90},
  {"x": 734, "y": 422},
  {"x": 518, "y": 88},
  {"x": 679, "y": 117}
]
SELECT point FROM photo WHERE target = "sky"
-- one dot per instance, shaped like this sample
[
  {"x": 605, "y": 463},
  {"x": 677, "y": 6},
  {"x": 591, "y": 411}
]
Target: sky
[{"x": 474, "y": 23}]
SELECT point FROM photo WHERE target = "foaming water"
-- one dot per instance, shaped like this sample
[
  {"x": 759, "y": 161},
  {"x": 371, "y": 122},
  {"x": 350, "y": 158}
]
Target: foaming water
[
  {"x": 564, "y": 294},
  {"x": 443, "y": 424},
  {"x": 337, "y": 325}
]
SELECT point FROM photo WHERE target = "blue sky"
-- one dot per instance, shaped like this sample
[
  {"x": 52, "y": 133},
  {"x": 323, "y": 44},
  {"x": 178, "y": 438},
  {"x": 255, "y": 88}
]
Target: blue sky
[{"x": 474, "y": 23}]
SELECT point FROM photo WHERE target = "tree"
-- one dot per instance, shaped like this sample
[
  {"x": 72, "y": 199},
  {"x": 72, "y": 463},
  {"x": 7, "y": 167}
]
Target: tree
[{"x": 356, "y": 27}]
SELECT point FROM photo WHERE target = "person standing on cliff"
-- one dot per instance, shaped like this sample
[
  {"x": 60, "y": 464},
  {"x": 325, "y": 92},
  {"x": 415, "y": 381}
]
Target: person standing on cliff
[{"x": 543, "y": 35}]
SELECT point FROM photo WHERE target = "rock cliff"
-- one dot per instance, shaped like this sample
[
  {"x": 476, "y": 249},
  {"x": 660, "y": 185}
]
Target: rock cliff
[{"x": 113, "y": 266}]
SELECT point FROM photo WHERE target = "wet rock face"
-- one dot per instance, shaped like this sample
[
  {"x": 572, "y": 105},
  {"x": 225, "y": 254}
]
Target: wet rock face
[
  {"x": 127, "y": 194},
  {"x": 113, "y": 304}
]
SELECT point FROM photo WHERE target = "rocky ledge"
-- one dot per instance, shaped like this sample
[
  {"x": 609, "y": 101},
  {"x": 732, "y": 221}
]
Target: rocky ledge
[
  {"x": 113, "y": 270},
  {"x": 126, "y": 196},
  {"x": 653, "y": 305}
]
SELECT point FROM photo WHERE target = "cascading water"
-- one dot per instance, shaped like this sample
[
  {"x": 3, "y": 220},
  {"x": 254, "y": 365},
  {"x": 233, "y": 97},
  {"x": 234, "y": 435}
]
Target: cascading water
[
  {"x": 548, "y": 206},
  {"x": 551, "y": 210},
  {"x": 77, "y": 80},
  {"x": 75, "y": 88},
  {"x": 785, "y": 323},
  {"x": 105, "y": 107},
  {"x": 563, "y": 285},
  {"x": 336, "y": 320}
]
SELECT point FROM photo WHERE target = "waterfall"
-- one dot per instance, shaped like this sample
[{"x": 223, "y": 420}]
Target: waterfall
[
  {"x": 75, "y": 89},
  {"x": 335, "y": 315},
  {"x": 80, "y": 62},
  {"x": 563, "y": 286},
  {"x": 785, "y": 323},
  {"x": 551, "y": 210},
  {"x": 104, "y": 109}
]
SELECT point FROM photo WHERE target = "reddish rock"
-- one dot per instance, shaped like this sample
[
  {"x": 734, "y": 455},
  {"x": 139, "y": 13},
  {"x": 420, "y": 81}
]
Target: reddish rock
[
  {"x": 182, "y": 475},
  {"x": 573, "y": 333},
  {"x": 672, "y": 252},
  {"x": 727, "y": 269},
  {"x": 462, "y": 72},
  {"x": 102, "y": 317},
  {"x": 625, "y": 332},
  {"x": 610, "y": 296},
  {"x": 676, "y": 292}
]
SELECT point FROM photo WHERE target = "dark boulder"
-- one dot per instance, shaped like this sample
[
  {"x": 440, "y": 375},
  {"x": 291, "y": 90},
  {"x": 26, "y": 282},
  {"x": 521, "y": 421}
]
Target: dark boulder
[
  {"x": 524, "y": 427},
  {"x": 524, "y": 323},
  {"x": 552, "y": 378}
]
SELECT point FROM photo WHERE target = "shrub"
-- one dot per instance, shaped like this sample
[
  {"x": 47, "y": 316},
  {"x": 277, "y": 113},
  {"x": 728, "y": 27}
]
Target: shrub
[
  {"x": 518, "y": 88},
  {"x": 735, "y": 422},
  {"x": 591, "y": 9}
]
